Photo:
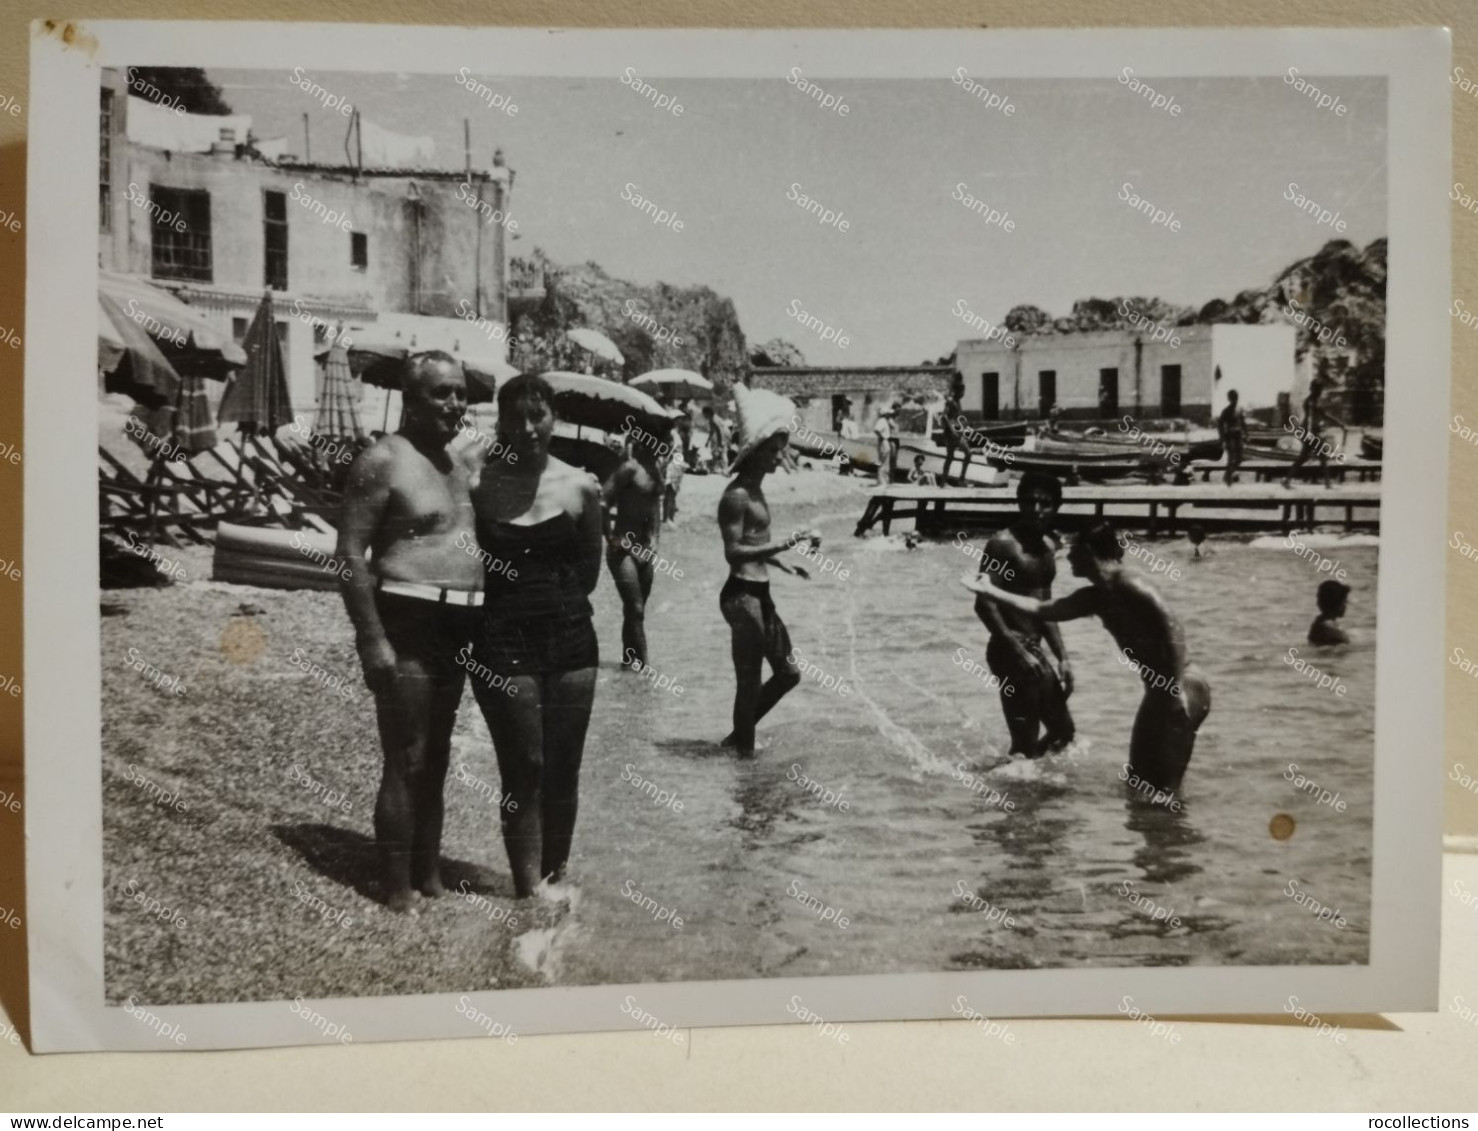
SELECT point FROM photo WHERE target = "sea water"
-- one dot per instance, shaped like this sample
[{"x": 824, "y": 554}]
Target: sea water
[{"x": 918, "y": 750}]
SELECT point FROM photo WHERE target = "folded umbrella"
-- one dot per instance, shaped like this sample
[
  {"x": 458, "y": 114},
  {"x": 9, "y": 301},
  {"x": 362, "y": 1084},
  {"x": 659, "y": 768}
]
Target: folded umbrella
[{"x": 257, "y": 400}]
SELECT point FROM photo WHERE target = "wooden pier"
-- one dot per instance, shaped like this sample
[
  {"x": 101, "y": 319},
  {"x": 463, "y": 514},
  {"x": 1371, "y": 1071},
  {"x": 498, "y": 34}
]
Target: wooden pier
[{"x": 1153, "y": 509}]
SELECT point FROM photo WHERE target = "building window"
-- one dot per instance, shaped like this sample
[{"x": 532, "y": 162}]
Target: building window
[
  {"x": 1170, "y": 390},
  {"x": 274, "y": 232},
  {"x": 1108, "y": 392},
  {"x": 359, "y": 250},
  {"x": 238, "y": 329},
  {"x": 1046, "y": 391},
  {"x": 181, "y": 240},
  {"x": 105, "y": 162}
]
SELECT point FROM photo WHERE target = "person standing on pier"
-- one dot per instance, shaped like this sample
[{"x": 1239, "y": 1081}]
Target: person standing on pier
[
  {"x": 757, "y": 632},
  {"x": 955, "y": 436},
  {"x": 887, "y": 434},
  {"x": 1034, "y": 691},
  {"x": 1232, "y": 426},
  {"x": 1311, "y": 442},
  {"x": 1177, "y": 697}
]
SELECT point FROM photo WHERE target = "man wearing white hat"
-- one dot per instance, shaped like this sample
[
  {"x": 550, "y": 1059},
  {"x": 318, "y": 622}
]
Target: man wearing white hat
[
  {"x": 887, "y": 435},
  {"x": 757, "y": 631}
]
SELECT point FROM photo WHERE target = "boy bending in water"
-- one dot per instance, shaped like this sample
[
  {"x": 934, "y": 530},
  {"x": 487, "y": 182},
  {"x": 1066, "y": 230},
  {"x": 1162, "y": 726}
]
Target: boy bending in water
[{"x": 1177, "y": 698}]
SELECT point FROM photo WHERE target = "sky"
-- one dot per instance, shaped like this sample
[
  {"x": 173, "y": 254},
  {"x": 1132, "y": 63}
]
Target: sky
[{"x": 892, "y": 282}]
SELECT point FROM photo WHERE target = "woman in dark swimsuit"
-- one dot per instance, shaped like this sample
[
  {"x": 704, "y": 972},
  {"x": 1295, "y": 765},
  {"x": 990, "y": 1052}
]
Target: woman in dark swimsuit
[{"x": 539, "y": 529}]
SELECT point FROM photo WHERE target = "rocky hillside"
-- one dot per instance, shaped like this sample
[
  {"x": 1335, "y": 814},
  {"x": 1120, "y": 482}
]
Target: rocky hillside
[{"x": 655, "y": 327}]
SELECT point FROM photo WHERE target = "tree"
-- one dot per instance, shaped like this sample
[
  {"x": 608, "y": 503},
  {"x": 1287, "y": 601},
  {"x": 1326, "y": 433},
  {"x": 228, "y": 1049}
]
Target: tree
[
  {"x": 189, "y": 85},
  {"x": 1026, "y": 319}
]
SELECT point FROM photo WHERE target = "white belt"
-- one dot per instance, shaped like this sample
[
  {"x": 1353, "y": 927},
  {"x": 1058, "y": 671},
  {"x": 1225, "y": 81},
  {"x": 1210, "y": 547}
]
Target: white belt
[{"x": 431, "y": 593}]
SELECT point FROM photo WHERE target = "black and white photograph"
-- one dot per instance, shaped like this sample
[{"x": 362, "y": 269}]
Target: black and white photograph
[{"x": 616, "y": 525}]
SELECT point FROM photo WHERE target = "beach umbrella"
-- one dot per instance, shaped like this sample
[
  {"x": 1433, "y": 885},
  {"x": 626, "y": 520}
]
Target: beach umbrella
[
  {"x": 594, "y": 402},
  {"x": 679, "y": 384},
  {"x": 377, "y": 354},
  {"x": 257, "y": 400},
  {"x": 193, "y": 428},
  {"x": 597, "y": 343},
  {"x": 182, "y": 333},
  {"x": 139, "y": 369},
  {"x": 338, "y": 408}
]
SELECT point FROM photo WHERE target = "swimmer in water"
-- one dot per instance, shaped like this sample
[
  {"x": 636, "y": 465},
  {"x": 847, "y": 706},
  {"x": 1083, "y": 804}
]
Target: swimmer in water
[
  {"x": 1177, "y": 697},
  {"x": 1325, "y": 630},
  {"x": 1197, "y": 535}
]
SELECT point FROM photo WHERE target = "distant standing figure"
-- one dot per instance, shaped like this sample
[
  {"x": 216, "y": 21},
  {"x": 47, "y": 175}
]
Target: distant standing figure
[
  {"x": 685, "y": 430},
  {"x": 954, "y": 436},
  {"x": 887, "y": 445},
  {"x": 1326, "y": 630},
  {"x": 672, "y": 479},
  {"x": 633, "y": 502},
  {"x": 1312, "y": 441},
  {"x": 1232, "y": 425},
  {"x": 718, "y": 441}
]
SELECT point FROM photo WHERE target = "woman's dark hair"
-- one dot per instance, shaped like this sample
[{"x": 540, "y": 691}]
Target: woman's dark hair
[
  {"x": 1040, "y": 481},
  {"x": 518, "y": 393},
  {"x": 1102, "y": 541}
]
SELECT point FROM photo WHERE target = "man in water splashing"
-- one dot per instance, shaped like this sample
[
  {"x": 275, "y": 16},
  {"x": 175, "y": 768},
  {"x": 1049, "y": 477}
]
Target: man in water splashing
[
  {"x": 1177, "y": 697},
  {"x": 1033, "y": 693}
]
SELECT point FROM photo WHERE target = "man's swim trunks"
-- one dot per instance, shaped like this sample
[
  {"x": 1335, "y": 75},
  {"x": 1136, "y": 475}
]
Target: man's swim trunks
[
  {"x": 427, "y": 631},
  {"x": 747, "y": 607}
]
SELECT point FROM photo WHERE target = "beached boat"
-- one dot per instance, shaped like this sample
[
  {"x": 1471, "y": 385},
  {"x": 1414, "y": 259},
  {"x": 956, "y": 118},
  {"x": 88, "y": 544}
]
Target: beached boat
[
  {"x": 978, "y": 474},
  {"x": 1003, "y": 434},
  {"x": 1189, "y": 444},
  {"x": 862, "y": 454}
]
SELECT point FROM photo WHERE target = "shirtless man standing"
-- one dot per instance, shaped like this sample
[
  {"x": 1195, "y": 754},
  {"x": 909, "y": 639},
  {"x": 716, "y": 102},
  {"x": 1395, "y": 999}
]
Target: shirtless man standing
[
  {"x": 1177, "y": 697},
  {"x": 632, "y": 504},
  {"x": 757, "y": 632},
  {"x": 1033, "y": 693},
  {"x": 413, "y": 609}
]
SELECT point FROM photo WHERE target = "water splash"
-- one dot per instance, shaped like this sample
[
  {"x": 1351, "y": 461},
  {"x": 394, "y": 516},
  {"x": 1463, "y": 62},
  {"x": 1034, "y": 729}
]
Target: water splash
[{"x": 909, "y": 744}]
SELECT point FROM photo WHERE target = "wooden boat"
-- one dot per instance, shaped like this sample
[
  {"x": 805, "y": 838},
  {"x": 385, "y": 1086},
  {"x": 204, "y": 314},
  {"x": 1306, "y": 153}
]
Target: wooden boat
[
  {"x": 1003, "y": 434},
  {"x": 1190, "y": 444},
  {"x": 861, "y": 454},
  {"x": 978, "y": 474}
]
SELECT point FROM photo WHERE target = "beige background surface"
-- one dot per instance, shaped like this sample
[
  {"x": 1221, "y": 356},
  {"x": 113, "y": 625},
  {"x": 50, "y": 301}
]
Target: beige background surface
[{"x": 893, "y": 1065}]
